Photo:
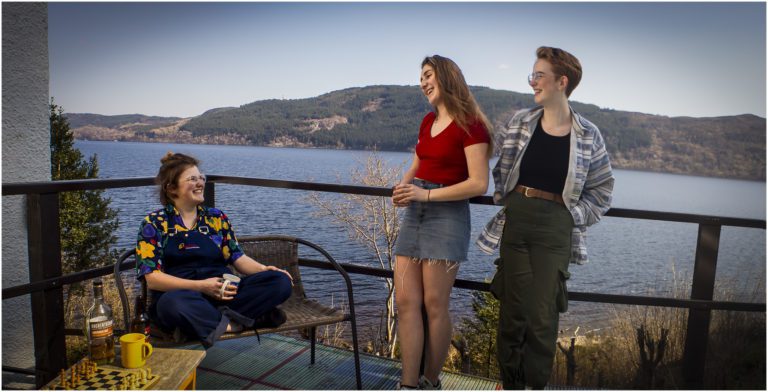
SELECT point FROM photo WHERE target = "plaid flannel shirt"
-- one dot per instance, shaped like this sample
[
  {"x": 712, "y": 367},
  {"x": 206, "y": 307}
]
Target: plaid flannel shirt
[{"x": 588, "y": 185}]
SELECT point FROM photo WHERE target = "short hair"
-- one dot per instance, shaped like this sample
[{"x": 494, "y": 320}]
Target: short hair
[
  {"x": 172, "y": 165},
  {"x": 563, "y": 64}
]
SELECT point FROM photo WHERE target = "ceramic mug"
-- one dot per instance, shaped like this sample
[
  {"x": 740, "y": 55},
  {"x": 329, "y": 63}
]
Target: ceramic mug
[
  {"x": 228, "y": 279},
  {"x": 134, "y": 350}
]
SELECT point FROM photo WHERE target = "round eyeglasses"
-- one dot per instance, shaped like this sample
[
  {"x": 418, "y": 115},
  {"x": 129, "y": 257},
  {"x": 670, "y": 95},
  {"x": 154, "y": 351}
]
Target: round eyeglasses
[
  {"x": 196, "y": 178},
  {"x": 534, "y": 77}
]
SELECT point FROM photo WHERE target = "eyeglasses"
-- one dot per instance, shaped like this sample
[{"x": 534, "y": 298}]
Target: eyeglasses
[
  {"x": 196, "y": 178},
  {"x": 534, "y": 77}
]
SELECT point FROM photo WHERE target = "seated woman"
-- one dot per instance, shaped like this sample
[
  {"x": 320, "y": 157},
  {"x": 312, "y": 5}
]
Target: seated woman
[{"x": 182, "y": 252}]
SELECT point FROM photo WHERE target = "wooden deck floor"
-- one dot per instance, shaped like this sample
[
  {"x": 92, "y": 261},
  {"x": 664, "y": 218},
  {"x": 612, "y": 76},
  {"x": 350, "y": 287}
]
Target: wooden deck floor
[{"x": 281, "y": 362}]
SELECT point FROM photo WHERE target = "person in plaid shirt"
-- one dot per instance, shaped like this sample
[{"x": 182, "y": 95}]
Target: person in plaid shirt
[{"x": 554, "y": 179}]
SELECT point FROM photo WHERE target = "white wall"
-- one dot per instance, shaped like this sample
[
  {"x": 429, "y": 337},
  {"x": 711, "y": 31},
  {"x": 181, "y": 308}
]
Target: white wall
[{"x": 26, "y": 157}]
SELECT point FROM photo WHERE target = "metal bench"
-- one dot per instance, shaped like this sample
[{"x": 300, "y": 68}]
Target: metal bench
[{"x": 302, "y": 313}]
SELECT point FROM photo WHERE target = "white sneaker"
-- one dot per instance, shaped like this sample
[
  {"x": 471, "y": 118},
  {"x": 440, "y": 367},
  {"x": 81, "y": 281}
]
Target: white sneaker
[
  {"x": 424, "y": 383},
  {"x": 401, "y": 387}
]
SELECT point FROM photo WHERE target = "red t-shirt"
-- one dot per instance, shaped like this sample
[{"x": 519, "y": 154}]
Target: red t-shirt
[{"x": 441, "y": 158}]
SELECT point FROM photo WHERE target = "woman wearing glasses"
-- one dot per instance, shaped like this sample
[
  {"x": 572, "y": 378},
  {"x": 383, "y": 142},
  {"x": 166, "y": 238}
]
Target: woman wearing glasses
[
  {"x": 554, "y": 179},
  {"x": 182, "y": 252},
  {"x": 450, "y": 166}
]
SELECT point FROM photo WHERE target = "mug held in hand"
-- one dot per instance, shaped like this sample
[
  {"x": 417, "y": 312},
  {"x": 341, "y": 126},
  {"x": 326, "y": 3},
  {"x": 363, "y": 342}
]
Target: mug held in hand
[{"x": 229, "y": 279}]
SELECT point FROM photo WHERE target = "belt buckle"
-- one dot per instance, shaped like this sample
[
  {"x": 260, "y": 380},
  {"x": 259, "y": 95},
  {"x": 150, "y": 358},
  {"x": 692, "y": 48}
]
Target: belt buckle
[{"x": 525, "y": 193}]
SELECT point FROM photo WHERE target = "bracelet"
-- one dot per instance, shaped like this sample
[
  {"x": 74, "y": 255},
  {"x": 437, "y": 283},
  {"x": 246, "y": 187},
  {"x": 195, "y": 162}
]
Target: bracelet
[{"x": 428, "y": 192}]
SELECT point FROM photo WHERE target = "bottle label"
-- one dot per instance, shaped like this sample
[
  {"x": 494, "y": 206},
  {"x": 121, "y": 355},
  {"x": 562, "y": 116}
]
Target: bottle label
[{"x": 101, "y": 327}]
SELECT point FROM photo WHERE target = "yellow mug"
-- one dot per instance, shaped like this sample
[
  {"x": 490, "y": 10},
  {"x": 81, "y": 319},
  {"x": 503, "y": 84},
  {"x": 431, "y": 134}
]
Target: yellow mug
[{"x": 134, "y": 350}]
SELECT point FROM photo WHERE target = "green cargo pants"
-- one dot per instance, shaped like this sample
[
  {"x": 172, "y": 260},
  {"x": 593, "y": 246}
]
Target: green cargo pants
[{"x": 530, "y": 285}]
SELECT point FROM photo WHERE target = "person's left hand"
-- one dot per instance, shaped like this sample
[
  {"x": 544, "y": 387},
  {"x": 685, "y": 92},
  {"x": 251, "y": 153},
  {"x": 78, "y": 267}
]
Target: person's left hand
[
  {"x": 405, "y": 193},
  {"x": 273, "y": 268}
]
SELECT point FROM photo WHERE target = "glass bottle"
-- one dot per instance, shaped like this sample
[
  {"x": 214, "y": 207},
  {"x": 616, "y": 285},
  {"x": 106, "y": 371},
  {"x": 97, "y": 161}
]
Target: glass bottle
[
  {"x": 140, "y": 322},
  {"x": 99, "y": 325}
]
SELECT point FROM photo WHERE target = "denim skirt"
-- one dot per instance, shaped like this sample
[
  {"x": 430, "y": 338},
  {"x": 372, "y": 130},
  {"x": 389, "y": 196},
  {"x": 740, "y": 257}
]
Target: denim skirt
[{"x": 437, "y": 230}]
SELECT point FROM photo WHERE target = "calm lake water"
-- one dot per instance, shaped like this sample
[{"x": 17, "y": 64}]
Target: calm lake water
[{"x": 627, "y": 256}]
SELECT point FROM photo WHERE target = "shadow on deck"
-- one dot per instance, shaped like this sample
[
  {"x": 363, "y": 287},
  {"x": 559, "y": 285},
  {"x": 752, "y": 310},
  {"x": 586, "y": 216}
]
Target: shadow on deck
[{"x": 281, "y": 362}]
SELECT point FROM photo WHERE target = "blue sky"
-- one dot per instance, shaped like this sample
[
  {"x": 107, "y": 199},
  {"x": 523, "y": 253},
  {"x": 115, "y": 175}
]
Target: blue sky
[{"x": 181, "y": 59}]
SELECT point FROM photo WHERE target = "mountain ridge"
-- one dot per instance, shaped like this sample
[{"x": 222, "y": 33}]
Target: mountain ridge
[{"x": 386, "y": 117}]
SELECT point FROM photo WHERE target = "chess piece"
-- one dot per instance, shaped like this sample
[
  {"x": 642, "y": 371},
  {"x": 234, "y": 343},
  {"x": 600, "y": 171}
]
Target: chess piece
[
  {"x": 149, "y": 373},
  {"x": 143, "y": 376},
  {"x": 63, "y": 379}
]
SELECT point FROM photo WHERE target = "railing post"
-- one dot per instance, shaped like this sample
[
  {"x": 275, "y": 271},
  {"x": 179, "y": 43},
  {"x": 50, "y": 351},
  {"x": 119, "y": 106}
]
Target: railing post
[
  {"x": 210, "y": 194},
  {"x": 44, "y": 244},
  {"x": 703, "y": 287}
]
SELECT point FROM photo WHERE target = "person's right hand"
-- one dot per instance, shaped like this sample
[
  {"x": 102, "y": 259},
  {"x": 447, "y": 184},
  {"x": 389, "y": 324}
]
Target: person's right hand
[{"x": 212, "y": 288}]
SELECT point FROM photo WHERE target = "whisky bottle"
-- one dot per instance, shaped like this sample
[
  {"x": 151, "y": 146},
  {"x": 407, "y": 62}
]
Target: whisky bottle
[{"x": 99, "y": 325}]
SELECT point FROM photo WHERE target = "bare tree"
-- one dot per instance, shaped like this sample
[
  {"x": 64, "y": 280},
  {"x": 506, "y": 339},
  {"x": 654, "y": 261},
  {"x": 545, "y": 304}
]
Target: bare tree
[{"x": 374, "y": 223}]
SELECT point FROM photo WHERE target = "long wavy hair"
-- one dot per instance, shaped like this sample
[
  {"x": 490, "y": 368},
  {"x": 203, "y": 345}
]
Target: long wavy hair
[{"x": 459, "y": 101}]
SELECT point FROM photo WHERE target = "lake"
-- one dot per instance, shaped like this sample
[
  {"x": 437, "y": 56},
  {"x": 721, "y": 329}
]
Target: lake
[{"x": 627, "y": 256}]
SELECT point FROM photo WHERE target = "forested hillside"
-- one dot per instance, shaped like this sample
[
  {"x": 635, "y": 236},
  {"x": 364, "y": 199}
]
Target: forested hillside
[{"x": 387, "y": 118}]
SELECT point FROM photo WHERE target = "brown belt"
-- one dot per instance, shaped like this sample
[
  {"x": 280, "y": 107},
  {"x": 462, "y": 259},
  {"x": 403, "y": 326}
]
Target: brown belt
[{"x": 539, "y": 194}]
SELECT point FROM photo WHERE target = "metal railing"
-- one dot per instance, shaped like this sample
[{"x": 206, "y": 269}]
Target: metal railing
[{"x": 46, "y": 280}]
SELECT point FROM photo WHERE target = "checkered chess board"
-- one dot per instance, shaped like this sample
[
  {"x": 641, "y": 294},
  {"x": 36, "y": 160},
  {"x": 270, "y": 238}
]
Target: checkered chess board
[{"x": 107, "y": 379}]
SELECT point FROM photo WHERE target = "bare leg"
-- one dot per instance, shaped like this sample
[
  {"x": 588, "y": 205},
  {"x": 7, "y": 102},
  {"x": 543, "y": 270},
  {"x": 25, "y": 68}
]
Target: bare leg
[
  {"x": 410, "y": 328},
  {"x": 438, "y": 278}
]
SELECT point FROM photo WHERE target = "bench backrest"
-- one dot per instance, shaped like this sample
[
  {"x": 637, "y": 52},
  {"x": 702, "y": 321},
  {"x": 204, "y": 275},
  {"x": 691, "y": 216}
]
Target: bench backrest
[{"x": 281, "y": 252}]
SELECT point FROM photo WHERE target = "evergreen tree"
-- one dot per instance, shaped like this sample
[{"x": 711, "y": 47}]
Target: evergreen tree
[
  {"x": 87, "y": 222},
  {"x": 478, "y": 336}
]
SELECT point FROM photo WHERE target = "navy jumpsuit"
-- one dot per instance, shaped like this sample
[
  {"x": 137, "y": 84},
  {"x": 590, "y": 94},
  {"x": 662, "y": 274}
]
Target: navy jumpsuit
[{"x": 200, "y": 253}]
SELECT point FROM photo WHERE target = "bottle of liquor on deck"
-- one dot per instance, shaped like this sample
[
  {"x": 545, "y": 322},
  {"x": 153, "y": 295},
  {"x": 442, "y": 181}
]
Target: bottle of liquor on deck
[
  {"x": 140, "y": 322},
  {"x": 99, "y": 325}
]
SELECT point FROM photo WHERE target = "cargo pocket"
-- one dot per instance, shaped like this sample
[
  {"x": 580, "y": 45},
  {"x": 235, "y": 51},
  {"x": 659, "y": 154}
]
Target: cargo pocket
[
  {"x": 497, "y": 287},
  {"x": 562, "y": 294}
]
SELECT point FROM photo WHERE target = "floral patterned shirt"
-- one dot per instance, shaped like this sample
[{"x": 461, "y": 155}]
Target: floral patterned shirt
[{"x": 155, "y": 227}]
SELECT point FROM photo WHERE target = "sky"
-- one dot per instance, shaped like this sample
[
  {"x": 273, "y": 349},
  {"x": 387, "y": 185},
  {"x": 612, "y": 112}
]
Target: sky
[{"x": 181, "y": 59}]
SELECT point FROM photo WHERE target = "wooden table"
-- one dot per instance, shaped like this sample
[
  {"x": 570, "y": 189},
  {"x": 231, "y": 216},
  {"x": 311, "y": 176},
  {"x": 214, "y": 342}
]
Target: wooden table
[{"x": 177, "y": 368}]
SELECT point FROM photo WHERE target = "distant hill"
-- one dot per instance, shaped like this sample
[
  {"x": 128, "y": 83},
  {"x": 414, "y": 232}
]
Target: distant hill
[
  {"x": 387, "y": 118},
  {"x": 77, "y": 120}
]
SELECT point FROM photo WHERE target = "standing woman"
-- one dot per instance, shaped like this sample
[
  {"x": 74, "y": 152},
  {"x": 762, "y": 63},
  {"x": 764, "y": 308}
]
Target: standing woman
[
  {"x": 449, "y": 167},
  {"x": 182, "y": 251},
  {"x": 554, "y": 179}
]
